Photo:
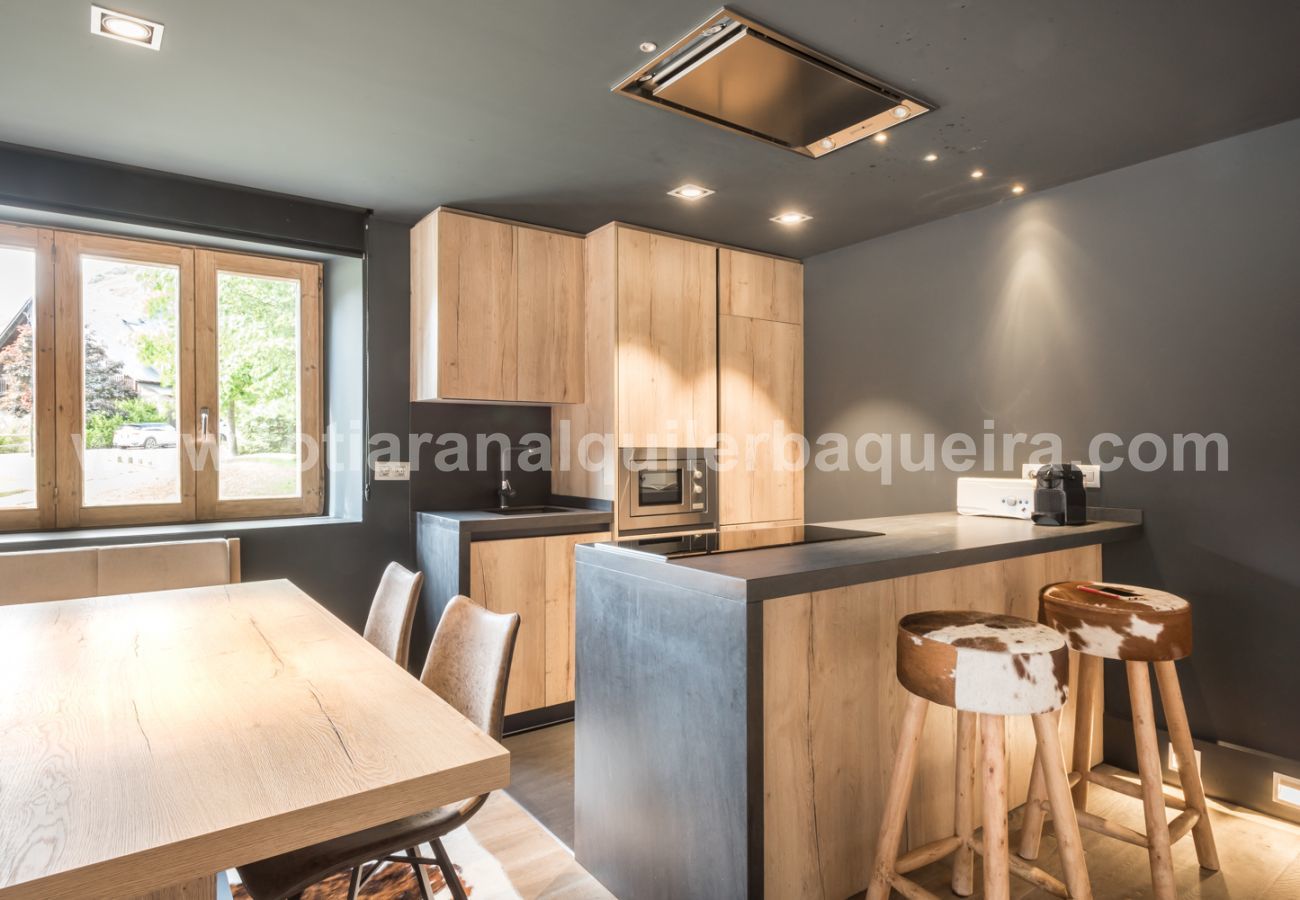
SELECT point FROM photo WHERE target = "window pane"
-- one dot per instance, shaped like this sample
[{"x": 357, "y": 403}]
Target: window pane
[
  {"x": 131, "y": 353},
  {"x": 17, "y": 393},
  {"x": 257, "y": 370}
]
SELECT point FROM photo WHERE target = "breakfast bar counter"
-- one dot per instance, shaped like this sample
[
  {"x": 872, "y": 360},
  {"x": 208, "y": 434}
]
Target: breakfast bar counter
[{"x": 737, "y": 712}]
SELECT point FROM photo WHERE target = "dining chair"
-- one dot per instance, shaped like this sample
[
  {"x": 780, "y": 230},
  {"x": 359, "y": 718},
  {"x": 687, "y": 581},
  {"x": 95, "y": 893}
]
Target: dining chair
[
  {"x": 392, "y": 612},
  {"x": 468, "y": 666}
]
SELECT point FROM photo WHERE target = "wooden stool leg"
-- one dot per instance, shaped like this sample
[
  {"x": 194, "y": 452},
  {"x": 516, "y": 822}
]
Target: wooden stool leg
[
  {"x": 963, "y": 864},
  {"x": 997, "y": 862},
  {"x": 1051, "y": 768},
  {"x": 1153, "y": 800},
  {"x": 1180, "y": 735},
  {"x": 900, "y": 791},
  {"x": 1089, "y": 688},
  {"x": 1031, "y": 831}
]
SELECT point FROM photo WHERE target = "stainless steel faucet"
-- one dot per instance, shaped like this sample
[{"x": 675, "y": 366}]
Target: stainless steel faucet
[{"x": 505, "y": 490}]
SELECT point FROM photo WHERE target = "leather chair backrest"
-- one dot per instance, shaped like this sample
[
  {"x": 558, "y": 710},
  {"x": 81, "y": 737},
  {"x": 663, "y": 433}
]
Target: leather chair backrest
[{"x": 469, "y": 662}]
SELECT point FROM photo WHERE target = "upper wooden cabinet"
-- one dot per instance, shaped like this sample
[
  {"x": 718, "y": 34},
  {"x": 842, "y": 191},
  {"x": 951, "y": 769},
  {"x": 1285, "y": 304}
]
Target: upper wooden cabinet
[
  {"x": 667, "y": 341},
  {"x": 496, "y": 311},
  {"x": 760, "y": 287}
]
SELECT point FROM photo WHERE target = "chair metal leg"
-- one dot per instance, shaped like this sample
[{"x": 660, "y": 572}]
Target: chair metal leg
[
  {"x": 448, "y": 871},
  {"x": 421, "y": 876},
  {"x": 354, "y": 883}
]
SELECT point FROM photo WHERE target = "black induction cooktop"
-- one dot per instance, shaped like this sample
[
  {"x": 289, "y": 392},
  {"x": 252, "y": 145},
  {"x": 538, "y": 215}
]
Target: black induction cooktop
[{"x": 708, "y": 543}]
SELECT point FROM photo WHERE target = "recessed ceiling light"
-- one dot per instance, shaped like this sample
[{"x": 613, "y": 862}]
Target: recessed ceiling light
[
  {"x": 901, "y": 112},
  {"x": 791, "y": 218},
  {"x": 649, "y": 46},
  {"x": 977, "y": 173},
  {"x": 880, "y": 137},
  {"x": 826, "y": 144},
  {"x": 124, "y": 27},
  {"x": 712, "y": 30},
  {"x": 690, "y": 191},
  {"x": 1017, "y": 188},
  {"x": 931, "y": 157}
]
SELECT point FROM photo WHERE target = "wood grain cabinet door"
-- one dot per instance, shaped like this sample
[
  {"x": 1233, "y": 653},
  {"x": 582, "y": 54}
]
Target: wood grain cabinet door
[
  {"x": 561, "y": 657},
  {"x": 509, "y": 576},
  {"x": 549, "y": 281},
  {"x": 477, "y": 312},
  {"x": 760, "y": 371},
  {"x": 535, "y": 578},
  {"x": 760, "y": 287},
  {"x": 667, "y": 341}
]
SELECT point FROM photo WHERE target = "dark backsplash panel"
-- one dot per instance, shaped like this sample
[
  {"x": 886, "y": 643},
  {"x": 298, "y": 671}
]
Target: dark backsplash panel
[{"x": 475, "y": 489}]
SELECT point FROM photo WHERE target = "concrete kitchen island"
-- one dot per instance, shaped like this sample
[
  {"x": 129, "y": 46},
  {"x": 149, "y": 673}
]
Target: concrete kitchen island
[{"x": 737, "y": 713}]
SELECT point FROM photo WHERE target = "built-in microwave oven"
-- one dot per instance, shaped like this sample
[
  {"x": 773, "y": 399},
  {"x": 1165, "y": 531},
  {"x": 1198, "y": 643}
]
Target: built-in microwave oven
[{"x": 665, "y": 489}]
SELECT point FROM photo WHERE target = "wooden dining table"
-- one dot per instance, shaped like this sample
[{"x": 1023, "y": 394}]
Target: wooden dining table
[{"x": 150, "y": 741}]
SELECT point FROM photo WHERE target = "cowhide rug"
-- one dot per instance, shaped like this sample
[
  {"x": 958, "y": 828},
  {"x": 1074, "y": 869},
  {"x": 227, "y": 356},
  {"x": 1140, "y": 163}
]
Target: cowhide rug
[{"x": 480, "y": 873}]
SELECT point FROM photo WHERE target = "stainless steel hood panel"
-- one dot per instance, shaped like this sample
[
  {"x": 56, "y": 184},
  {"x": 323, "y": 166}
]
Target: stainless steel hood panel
[
  {"x": 762, "y": 87},
  {"x": 740, "y": 75}
]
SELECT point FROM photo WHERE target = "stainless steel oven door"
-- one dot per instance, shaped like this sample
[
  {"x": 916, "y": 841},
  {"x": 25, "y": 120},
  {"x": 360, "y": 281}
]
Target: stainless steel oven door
[{"x": 664, "y": 489}]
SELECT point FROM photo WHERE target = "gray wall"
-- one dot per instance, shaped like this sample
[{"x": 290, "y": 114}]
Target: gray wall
[{"x": 1160, "y": 298}]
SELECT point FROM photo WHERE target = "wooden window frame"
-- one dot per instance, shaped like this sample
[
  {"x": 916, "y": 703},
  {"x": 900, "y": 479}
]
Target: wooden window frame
[
  {"x": 310, "y": 501},
  {"x": 41, "y": 240},
  {"x": 59, "y": 372}
]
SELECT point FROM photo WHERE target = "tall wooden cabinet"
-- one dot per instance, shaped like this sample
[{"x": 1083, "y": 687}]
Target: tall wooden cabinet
[
  {"x": 696, "y": 341},
  {"x": 533, "y": 576},
  {"x": 496, "y": 311},
  {"x": 667, "y": 341},
  {"x": 760, "y": 389}
]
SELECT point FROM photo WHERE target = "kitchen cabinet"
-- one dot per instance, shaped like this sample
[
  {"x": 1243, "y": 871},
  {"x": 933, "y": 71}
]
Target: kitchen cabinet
[
  {"x": 760, "y": 287},
  {"x": 667, "y": 341},
  {"x": 760, "y": 372},
  {"x": 534, "y": 577},
  {"x": 496, "y": 311}
]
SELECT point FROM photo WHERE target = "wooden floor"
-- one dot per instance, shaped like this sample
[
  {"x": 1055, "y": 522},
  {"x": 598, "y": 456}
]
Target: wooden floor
[
  {"x": 541, "y": 776},
  {"x": 1260, "y": 856}
]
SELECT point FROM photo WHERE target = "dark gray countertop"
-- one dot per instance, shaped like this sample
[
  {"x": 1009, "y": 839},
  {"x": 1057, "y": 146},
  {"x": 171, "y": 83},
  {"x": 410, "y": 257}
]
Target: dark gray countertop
[
  {"x": 908, "y": 545},
  {"x": 481, "y": 524}
]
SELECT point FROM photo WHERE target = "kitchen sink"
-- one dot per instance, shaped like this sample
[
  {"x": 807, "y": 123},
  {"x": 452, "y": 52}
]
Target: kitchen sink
[{"x": 527, "y": 510}]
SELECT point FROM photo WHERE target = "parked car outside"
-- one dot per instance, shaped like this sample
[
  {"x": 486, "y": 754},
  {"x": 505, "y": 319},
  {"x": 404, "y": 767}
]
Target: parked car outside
[{"x": 147, "y": 435}]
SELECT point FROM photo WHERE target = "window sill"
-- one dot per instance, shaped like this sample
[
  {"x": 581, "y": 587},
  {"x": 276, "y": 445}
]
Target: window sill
[{"x": 54, "y": 540}]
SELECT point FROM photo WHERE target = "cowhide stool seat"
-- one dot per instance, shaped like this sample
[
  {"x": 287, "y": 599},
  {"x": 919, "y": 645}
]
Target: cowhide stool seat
[
  {"x": 1138, "y": 626},
  {"x": 987, "y": 667}
]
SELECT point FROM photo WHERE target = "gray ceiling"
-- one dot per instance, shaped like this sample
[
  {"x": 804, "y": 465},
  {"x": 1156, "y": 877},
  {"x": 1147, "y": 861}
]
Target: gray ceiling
[{"x": 503, "y": 107}]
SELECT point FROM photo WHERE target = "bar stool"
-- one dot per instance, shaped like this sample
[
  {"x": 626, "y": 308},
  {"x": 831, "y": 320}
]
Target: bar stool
[
  {"x": 1139, "y": 626},
  {"x": 986, "y": 667}
]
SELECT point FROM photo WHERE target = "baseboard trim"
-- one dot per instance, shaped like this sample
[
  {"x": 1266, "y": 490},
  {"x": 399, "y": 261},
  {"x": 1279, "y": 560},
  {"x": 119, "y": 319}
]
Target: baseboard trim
[
  {"x": 532, "y": 719},
  {"x": 1231, "y": 773}
]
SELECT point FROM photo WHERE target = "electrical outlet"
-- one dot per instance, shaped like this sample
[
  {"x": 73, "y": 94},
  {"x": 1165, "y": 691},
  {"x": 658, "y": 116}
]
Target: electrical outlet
[
  {"x": 392, "y": 471},
  {"x": 1091, "y": 474}
]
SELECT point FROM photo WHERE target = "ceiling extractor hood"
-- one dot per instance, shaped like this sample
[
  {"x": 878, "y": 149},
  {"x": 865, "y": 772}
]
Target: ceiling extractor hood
[{"x": 740, "y": 75}]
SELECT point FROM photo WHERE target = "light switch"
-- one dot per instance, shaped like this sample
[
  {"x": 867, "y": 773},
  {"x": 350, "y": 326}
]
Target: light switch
[{"x": 392, "y": 471}]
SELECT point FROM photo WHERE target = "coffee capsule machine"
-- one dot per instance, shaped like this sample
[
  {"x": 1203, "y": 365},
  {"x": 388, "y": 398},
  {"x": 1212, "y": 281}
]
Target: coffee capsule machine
[{"x": 1059, "y": 496}]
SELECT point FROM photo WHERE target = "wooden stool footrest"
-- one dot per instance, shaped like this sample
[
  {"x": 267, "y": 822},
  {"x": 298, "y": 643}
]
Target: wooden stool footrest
[
  {"x": 1128, "y": 788},
  {"x": 1028, "y": 872},
  {"x": 927, "y": 853},
  {"x": 1110, "y": 829},
  {"x": 1184, "y": 822},
  {"x": 910, "y": 889}
]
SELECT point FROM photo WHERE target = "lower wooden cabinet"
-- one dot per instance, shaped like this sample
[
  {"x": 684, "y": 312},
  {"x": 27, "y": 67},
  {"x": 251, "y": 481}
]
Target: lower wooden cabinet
[{"x": 533, "y": 577}]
